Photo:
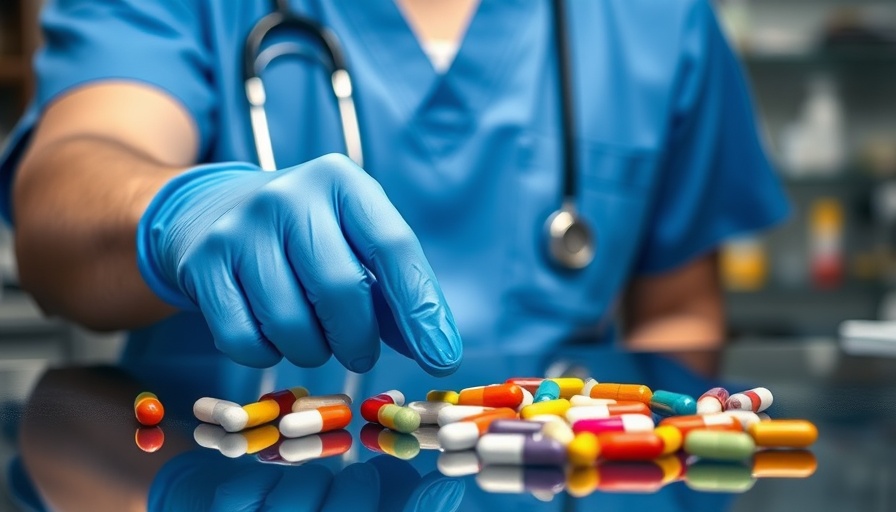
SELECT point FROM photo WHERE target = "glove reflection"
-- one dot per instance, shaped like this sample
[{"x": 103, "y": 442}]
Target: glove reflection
[{"x": 205, "y": 480}]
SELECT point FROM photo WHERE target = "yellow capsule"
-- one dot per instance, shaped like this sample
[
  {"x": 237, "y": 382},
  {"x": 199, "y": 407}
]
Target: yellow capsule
[
  {"x": 583, "y": 450},
  {"x": 569, "y": 386},
  {"x": 559, "y": 431},
  {"x": 783, "y": 433},
  {"x": 582, "y": 481},
  {"x": 671, "y": 437},
  {"x": 556, "y": 407},
  {"x": 438, "y": 395},
  {"x": 261, "y": 412}
]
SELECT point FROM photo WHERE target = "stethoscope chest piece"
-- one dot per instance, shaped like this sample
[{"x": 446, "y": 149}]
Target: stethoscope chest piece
[{"x": 571, "y": 243}]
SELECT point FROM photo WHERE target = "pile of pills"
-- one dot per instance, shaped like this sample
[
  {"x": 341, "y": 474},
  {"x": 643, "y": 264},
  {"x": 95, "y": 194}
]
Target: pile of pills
[{"x": 534, "y": 435}]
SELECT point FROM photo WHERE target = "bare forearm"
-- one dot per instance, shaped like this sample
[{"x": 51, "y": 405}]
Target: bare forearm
[
  {"x": 678, "y": 331},
  {"x": 77, "y": 203}
]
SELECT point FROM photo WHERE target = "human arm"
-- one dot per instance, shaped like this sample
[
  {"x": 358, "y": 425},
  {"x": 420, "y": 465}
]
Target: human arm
[{"x": 98, "y": 156}]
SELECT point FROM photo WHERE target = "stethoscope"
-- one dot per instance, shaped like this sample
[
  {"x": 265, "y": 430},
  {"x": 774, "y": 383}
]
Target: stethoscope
[{"x": 571, "y": 243}]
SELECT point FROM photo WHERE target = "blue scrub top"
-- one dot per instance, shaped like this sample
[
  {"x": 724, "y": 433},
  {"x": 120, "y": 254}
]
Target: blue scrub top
[{"x": 670, "y": 160}]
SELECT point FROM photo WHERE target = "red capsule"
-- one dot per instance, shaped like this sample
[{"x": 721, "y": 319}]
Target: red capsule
[
  {"x": 630, "y": 445},
  {"x": 530, "y": 384},
  {"x": 370, "y": 408}
]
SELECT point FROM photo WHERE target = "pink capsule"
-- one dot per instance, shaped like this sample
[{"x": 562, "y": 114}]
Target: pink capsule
[
  {"x": 756, "y": 400},
  {"x": 621, "y": 423},
  {"x": 712, "y": 401}
]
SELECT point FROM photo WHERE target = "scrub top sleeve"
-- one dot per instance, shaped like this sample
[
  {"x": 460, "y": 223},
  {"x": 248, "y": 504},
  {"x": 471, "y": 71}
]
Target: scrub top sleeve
[
  {"x": 159, "y": 43},
  {"x": 715, "y": 179}
]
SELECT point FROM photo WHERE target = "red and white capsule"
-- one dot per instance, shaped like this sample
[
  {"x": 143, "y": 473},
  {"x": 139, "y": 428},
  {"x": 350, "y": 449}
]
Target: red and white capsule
[
  {"x": 712, "y": 401},
  {"x": 756, "y": 400},
  {"x": 621, "y": 423}
]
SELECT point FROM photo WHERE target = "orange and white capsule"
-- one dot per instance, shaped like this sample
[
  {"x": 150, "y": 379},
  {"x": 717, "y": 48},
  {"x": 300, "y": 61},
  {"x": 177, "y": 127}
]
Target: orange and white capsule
[
  {"x": 496, "y": 395},
  {"x": 623, "y": 392},
  {"x": 324, "y": 419},
  {"x": 590, "y": 412},
  {"x": 756, "y": 400},
  {"x": 455, "y": 413},
  {"x": 462, "y": 435}
]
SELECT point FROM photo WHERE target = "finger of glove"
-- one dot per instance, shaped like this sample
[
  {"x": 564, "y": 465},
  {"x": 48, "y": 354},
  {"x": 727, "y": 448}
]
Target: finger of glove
[
  {"x": 398, "y": 479},
  {"x": 337, "y": 286},
  {"x": 245, "y": 489},
  {"x": 281, "y": 308},
  {"x": 386, "y": 245},
  {"x": 211, "y": 281},
  {"x": 436, "y": 493},
  {"x": 310, "y": 482},
  {"x": 355, "y": 488},
  {"x": 390, "y": 333}
]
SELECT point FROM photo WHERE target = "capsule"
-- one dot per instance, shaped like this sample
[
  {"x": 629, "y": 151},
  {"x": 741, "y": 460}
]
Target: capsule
[
  {"x": 712, "y": 401},
  {"x": 315, "y": 446},
  {"x": 497, "y": 395},
  {"x": 462, "y": 435},
  {"x": 520, "y": 449},
  {"x": 515, "y": 427},
  {"x": 548, "y": 390},
  {"x": 313, "y": 402},
  {"x": 555, "y": 407},
  {"x": 528, "y": 383},
  {"x": 784, "y": 433},
  {"x": 629, "y": 476},
  {"x": 621, "y": 423},
  {"x": 209, "y": 410},
  {"x": 149, "y": 439},
  {"x": 673, "y": 468},
  {"x": 521, "y": 479},
  {"x": 623, "y": 392},
  {"x": 249, "y": 415},
  {"x": 148, "y": 409},
  {"x": 671, "y": 436},
  {"x": 584, "y": 400},
  {"x": 667, "y": 403},
  {"x": 745, "y": 418},
  {"x": 588, "y": 412},
  {"x": 756, "y": 400},
  {"x": 253, "y": 440},
  {"x": 583, "y": 450},
  {"x": 709, "y": 476},
  {"x": 428, "y": 411},
  {"x": 370, "y": 408},
  {"x": 457, "y": 464},
  {"x": 587, "y": 386},
  {"x": 719, "y": 445},
  {"x": 439, "y": 395},
  {"x": 398, "y": 418},
  {"x": 569, "y": 386},
  {"x": 457, "y": 413},
  {"x": 686, "y": 424},
  {"x": 285, "y": 398},
  {"x": 324, "y": 419},
  {"x": 559, "y": 431},
  {"x": 630, "y": 445},
  {"x": 528, "y": 399},
  {"x": 784, "y": 464}
]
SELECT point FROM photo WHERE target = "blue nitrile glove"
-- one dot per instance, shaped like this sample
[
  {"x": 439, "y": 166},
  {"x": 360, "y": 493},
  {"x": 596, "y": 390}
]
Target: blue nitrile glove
[{"x": 280, "y": 264}]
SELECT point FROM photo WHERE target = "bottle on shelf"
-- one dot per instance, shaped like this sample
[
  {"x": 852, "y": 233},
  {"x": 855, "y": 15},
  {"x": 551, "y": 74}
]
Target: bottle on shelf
[{"x": 826, "y": 243}]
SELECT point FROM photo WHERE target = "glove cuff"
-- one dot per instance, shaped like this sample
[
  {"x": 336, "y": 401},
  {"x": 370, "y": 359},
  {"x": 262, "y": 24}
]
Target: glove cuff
[{"x": 147, "y": 262}]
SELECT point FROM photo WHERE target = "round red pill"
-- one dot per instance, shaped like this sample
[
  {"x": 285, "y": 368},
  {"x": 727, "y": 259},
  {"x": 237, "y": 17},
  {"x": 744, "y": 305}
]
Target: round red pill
[
  {"x": 149, "y": 439},
  {"x": 149, "y": 411}
]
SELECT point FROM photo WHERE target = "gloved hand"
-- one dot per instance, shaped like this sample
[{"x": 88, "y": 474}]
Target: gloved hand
[
  {"x": 301, "y": 263},
  {"x": 205, "y": 480}
]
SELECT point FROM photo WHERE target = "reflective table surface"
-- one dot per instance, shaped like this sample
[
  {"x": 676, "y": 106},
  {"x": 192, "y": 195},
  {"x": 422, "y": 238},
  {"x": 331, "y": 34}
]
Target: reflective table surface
[{"x": 79, "y": 447}]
